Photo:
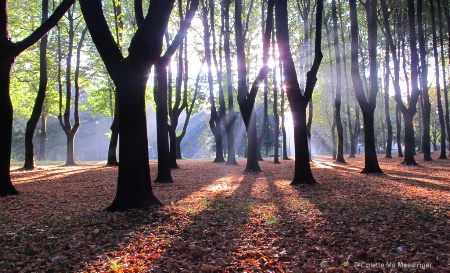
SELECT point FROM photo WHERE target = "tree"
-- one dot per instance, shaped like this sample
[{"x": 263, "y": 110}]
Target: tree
[
  {"x": 426, "y": 105},
  {"x": 40, "y": 98},
  {"x": 367, "y": 105},
  {"x": 245, "y": 98},
  {"x": 130, "y": 75},
  {"x": 215, "y": 120},
  {"x": 386, "y": 103},
  {"x": 337, "y": 100},
  {"x": 64, "y": 119},
  {"x": 438, "y": 84},
  {"x": 298, "y": 100},
  {"x": 10, "y": 51}
]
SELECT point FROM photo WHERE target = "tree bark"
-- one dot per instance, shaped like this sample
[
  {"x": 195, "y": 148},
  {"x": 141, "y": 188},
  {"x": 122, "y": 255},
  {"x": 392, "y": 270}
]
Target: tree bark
[
  {"x": 367, "y": 106},
  {"x": 297, "y": 100}
]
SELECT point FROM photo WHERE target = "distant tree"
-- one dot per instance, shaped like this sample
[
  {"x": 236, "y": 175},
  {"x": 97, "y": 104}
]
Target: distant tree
[
  {"x": 388, "y": 153},
  {"x": 161, "y": 98},
  {"x": 215, "y": 121},
  {"x": 64, "y": 118},
  {"x": 10, "y": 51}
]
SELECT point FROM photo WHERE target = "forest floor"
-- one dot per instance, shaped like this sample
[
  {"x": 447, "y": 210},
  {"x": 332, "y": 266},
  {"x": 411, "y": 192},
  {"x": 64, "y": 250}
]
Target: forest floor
[{"x": 216, "y": 218}]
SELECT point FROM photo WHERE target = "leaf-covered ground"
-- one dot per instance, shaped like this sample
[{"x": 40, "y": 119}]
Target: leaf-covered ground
[{"x": 217, "y": 218}]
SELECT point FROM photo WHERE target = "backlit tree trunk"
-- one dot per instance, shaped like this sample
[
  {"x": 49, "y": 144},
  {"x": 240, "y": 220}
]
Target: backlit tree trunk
[
  {"x": 298, "y": 100},
  {"x": 367, "y": 105},
  {"x": 130, "y": 75}
]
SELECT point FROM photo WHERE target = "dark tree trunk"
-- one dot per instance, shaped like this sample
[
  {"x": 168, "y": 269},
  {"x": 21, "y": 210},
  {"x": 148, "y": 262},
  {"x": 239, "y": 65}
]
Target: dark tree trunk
[
  {"x": 246, "y": 99},
  {"x": 443, "y": 154},
  {"x": 231, "y": 117},
  {"x": 426, "y": 110},
  {"x": 162, "y": 128},
  {"x": 367, "y": 106},
  {"x": 64, "y": 120},
  {"x": 386, "y": 105},
  {"x": 8, "y": 54},
  {"x": 42, "y": 137},
  {"x": 112, "y": 149},
  {"x": 337, "y": 100},
  {"x": 40, "y": 98},
  {"x": 441, "y": 42},
  {"x": 6, "y": 121},
  {"x": 297, "y": 100},
  {"x": 130, "y": 75},
  {"x": 275, "y": 106}
]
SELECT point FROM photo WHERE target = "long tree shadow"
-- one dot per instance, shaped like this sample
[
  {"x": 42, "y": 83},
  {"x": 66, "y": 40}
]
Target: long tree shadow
[{"x": 367, "y": 220}]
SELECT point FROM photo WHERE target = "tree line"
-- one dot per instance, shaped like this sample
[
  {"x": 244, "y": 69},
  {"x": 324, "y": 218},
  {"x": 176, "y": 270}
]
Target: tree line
[{"x": 124, "y": 53}]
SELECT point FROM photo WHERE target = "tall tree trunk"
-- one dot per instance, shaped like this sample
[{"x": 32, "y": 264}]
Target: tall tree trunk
[
  {"x": 443, "y": 154},
  {"x": 426, "y": 114},
  {"x": 332, "y": 83},
  {"x": 40, "y": 98},
  {"x": 444, "y": 76},
  {"x": 164, "y": 174},
  {"x": 112, "y": 149},
  {"x": 231, "y": 117},
  {"x": 388, "y": 153},
  {"x": 337, "y": 100},
  {"x": 367, "y": 106},
  {"x": 283, "y": 117},
  {"x": 130, "y": 75},
  {"x": 297, "y": 100},
  {"x": 275, "y": 106}
]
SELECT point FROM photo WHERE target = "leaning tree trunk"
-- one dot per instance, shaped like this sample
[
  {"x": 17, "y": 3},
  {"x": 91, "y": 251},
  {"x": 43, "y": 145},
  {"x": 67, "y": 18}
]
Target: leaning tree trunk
[{"x": 40, "y": 98}]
